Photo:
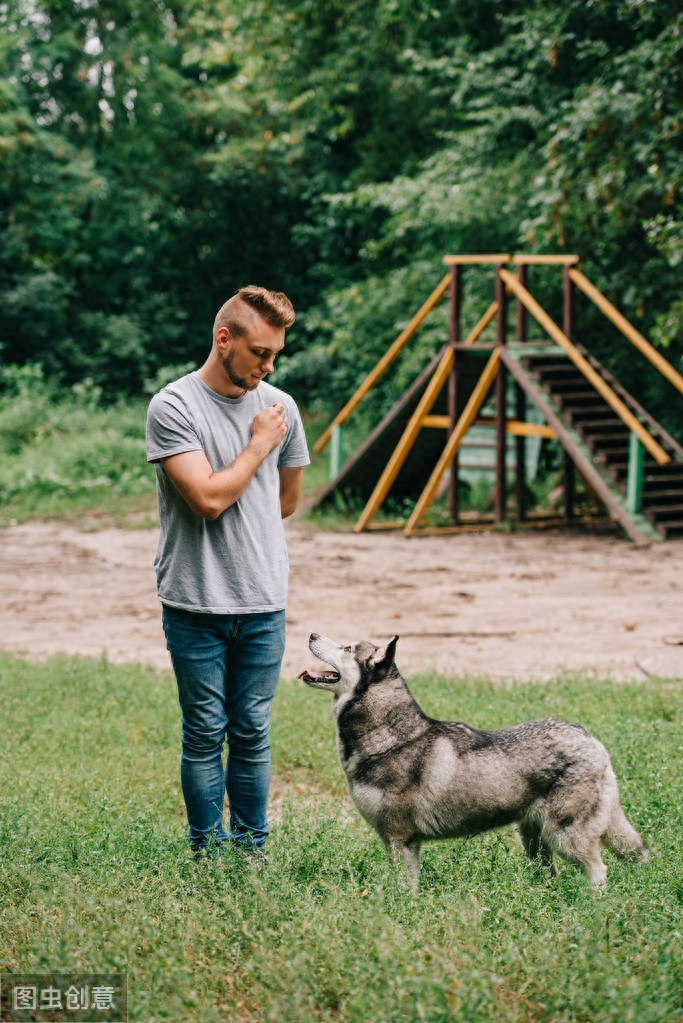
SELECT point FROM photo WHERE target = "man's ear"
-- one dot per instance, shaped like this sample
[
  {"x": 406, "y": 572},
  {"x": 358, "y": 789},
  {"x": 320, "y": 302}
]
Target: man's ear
[{"x": 385, "y": 655}]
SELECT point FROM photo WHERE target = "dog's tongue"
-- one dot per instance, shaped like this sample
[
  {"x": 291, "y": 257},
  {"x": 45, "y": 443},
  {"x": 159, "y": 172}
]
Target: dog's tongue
[{"x": 318, "y": 676}]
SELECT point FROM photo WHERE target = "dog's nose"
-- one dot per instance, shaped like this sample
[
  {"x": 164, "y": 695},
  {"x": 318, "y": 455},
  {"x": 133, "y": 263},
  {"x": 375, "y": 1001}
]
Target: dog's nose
[{"x": 313, "y": 636}]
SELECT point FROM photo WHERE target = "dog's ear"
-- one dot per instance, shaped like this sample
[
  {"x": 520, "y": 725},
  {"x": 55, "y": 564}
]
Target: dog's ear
[{"x": 384, "y": 655}]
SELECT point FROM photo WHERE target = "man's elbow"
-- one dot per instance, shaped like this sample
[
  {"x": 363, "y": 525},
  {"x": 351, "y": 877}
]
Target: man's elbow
[
  {"x": 290, "y": 491},
  {"x": 211, "y": 514},
  {"x": 288, "y": 506},
  {"x": 206, "y": 508}
]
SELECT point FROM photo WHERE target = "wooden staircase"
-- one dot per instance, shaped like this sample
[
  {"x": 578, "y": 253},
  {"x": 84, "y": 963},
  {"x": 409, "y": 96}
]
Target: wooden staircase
[
  {"x": 607, "y": 438},
  {"x": 627, "y": 459}
]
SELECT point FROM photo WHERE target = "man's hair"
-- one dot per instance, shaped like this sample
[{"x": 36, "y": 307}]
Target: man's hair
[{"x": 272, "y": 306}]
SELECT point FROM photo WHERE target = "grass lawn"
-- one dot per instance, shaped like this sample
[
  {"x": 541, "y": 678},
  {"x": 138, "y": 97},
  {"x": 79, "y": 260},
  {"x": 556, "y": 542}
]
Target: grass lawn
[{"x": 95, "y": 875}]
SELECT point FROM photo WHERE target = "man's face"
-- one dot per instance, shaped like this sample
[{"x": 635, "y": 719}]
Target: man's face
[{"x": 249, "y": 358}]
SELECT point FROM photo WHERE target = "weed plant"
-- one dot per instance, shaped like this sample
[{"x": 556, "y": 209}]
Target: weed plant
[{"x": 95, "y": 874}]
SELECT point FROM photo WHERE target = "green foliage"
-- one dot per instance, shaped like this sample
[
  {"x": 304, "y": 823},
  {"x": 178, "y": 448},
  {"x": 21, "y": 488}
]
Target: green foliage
[
  {"x": 25, "y": 406},
  {"x": 96, "y": 874}
]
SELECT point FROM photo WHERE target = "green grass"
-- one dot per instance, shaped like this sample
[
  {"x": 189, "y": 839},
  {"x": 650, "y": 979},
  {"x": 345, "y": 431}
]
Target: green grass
[{"x": 95, "y": 875}]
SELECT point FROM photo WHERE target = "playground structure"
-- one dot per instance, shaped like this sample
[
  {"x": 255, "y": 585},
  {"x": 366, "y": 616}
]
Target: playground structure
[{"x": 627, "y": 460}]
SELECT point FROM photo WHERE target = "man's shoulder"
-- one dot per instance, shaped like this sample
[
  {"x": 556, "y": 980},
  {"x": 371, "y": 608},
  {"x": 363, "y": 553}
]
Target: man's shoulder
[
  {"x": 178, "y": 394},
  {"x": 269, "y": 394},
  {"x": 184, "y": 385}
]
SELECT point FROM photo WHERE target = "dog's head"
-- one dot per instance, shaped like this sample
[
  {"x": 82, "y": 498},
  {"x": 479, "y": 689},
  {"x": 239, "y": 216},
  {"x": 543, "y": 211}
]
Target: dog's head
[{"x": 354, "y": 664}]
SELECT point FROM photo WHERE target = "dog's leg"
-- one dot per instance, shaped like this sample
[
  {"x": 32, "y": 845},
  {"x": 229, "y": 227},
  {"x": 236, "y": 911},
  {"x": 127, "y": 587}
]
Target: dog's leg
[
  {"x": 606, "y": 823},
  {"x": 409, "y": 855},
  {"x": 579, "y": 844},
  {"x": 536, "y": 848},
  {"x": 595, "y": 869}
]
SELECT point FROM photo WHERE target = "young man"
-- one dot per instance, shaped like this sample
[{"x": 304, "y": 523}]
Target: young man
[{"x": 229, "y": 451}]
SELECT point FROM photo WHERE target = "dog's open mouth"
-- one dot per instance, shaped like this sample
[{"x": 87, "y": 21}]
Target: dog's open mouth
[{"x": 319, "y": 678}]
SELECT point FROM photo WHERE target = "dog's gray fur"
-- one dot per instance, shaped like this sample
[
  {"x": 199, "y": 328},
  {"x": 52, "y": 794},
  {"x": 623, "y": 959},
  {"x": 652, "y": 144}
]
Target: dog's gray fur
[{"x": 415, "y": 778}]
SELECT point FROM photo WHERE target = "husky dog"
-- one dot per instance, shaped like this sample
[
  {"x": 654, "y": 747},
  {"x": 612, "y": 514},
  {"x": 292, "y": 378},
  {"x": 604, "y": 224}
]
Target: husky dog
[{"x": 414, "y": 778}]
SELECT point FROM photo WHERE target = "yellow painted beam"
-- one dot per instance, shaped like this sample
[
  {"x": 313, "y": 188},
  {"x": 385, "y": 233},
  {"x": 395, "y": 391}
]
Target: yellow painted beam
[
  {"x": 406, "y": 442},
  {"x": 496, "y": 258},
  {"x": 628, "y": 330},
  {"x": 386, "y": 360},
  {"x": 594, "y": 378},
  {"x": 559, "y": 260},
  {"x": 413, "y": 427},
  {"x": 468, "y": 416},
  {"x": 521, "y": 429},
  {"x": 482, "y": 324},
  {"x": 437, "y": 422}
]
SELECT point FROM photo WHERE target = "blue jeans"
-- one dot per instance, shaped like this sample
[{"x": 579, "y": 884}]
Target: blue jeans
[{"x": 227, "y": 669}]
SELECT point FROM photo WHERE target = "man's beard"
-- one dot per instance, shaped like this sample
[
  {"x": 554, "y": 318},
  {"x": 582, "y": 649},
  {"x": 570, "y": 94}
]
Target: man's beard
[{"x": 238, "y": 381}]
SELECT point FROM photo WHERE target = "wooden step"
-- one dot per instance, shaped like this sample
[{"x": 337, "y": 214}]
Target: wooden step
[
  {"x": 661, "y": 497},
  {"x": 560, "y": 375},
  {"x": 667, "y": 528},
  {"x": 540, "y": 363},
  {"x": 575, "y": 385},
  {"x": 610, "y": 458},
  {"x": 606, "y": 424},
  {"x": 670, "y": 530},
  {"x": 579, "y": 414},
  {"x": 663, "y": 475},
  {"x": 666, "y": 511},
  {"x": 606, "y": 440},
  {"x": 655, "y": 476},
  {"x": 582, "y": 398}
]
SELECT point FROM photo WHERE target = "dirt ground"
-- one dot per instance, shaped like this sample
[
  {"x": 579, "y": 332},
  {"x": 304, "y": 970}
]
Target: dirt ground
[{"x": 527, "y": 605}]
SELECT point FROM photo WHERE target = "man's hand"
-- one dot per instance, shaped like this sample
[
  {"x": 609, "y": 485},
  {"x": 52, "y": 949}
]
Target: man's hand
[{"x": 269, "y": 427}]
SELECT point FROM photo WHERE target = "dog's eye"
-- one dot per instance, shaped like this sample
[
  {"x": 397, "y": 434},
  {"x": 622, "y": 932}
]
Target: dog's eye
[{"x": 348, "y": 649}]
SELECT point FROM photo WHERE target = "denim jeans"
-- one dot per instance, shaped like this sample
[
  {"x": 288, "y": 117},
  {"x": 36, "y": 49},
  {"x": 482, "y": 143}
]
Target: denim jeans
[{"x": 227, "y": 668}]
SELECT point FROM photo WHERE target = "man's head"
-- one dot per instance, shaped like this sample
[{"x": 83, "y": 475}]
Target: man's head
[
  {"x": 249, "y": 333},
  {"x": 273, "y": 307}
]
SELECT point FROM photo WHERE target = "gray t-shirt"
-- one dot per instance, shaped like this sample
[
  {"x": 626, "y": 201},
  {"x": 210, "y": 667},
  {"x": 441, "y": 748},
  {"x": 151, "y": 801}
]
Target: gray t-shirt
[{"x": 237, "y": 563}]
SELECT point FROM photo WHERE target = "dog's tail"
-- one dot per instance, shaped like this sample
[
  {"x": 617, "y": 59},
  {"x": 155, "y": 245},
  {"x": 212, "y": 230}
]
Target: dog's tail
[{"x": 621, "y": 837}]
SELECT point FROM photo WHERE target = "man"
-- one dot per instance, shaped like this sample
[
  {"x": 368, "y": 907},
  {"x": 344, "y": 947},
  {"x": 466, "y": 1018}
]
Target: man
[{"x": 229, "y": 451}]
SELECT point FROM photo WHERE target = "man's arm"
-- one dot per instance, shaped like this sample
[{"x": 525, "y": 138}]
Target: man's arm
[
  {"x": 209, "y": 493},
  {"x": 291, "y": 478}
]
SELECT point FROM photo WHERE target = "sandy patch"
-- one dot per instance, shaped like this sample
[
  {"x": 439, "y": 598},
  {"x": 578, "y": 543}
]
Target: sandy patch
[{"x": 525, "y": 605}]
